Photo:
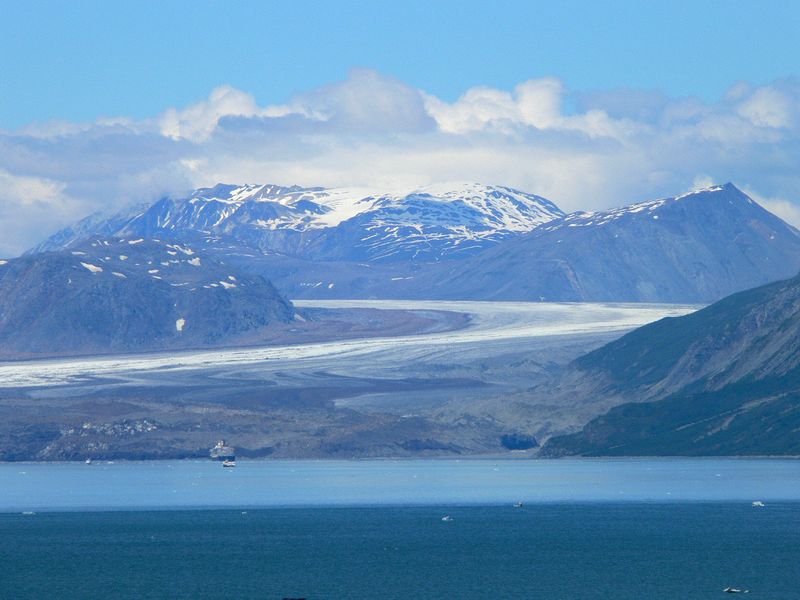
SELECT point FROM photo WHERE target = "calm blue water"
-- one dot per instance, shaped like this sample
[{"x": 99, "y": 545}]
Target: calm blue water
[
  {"x": 627, "y": 551},
  {"x": 203, "y": 484},
  {"x": 606, "y": 529}
]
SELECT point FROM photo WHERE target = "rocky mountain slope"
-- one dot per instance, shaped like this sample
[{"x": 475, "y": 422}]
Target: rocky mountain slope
[
  {"x": 129, "y": 294},
  {"x": 698, "y": 247},
  {"x": 722, "y": 380},
  {"x": 473, "y": 242},
  {"x": 430, "y": 223}
]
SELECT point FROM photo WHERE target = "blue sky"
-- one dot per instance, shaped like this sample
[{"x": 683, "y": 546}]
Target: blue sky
[
  {"x": 590, "y": 104},
  {"x": 81, "y": 60}
]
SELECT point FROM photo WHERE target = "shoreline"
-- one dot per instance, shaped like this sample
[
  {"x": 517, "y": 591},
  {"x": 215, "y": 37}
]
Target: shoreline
[{"x": 394, "y": 459}]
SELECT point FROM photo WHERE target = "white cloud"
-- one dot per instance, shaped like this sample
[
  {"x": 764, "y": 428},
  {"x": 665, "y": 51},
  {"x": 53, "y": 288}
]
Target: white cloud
[
  {"x": 198, "y": 121},
  {"x": 30, "y": 205},
  {"x": 702, "y": 182},
  {"x": 533, "y": 104},
  {"x": 366, "y": 102},
  {"x": 585, "y": 150},
  {"x": 785, "y": 209},
  {"x": 768, "y": 107}
]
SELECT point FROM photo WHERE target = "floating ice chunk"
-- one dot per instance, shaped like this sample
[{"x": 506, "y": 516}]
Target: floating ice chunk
[
  {"x": 151, "y": 271},
  {"x": 330, "y": 286},
  {"x": 179, "y": 324},
  {"x": 195, "y": 262},
  {"x": 118, "y": 274},
  {"x": 77, "y": 253},
  {"x": 123, "y": 257},
  {"x": 227, "y": 285},
  {"x": 92, "y": 268},
  {"x": 132, "y": 242},
  {"x": 2, "y": 262}
]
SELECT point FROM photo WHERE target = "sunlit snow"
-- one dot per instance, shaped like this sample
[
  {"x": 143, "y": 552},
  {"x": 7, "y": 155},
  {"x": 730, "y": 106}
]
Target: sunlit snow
[{"x": 92, "y": 268}]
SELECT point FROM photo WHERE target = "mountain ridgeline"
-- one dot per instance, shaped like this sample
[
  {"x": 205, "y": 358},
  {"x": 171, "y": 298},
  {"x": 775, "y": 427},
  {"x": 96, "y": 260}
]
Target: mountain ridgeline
[
  {"x": 723, "y": 380},
  {"x": 130, "y": 295},
  {"x": 428, "y": 224},
  {"x": 471, "y": 242},
  {"x": 698, "y": 247}
]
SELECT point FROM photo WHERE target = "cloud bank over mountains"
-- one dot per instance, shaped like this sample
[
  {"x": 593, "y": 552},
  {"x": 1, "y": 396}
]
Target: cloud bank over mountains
[{"x": 584, "y": 150}]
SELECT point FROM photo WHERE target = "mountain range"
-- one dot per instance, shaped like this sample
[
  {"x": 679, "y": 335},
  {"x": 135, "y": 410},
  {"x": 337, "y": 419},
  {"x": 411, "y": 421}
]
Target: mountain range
[
  {"x": 216, "y": 267},
  {"x": 470, "y": 241},
  {"x": 429, "y": 223}
]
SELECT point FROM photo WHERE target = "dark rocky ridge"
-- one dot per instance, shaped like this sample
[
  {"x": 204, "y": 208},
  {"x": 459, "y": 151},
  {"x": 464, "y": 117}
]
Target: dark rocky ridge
[
  {"x": 723, "y": 380},
  {"x": 130, "y": 295}
]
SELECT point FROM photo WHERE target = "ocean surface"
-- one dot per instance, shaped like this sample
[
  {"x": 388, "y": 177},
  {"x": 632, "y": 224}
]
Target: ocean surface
[{"x": 616, "y": 529}]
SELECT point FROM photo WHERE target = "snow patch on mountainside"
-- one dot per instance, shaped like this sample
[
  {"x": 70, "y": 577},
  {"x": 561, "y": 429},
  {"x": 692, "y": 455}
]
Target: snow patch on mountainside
[{"x": 92, "y": 268}]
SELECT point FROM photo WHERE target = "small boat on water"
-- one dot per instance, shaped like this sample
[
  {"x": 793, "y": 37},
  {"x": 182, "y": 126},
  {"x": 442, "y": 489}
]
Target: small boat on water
[
  {"x": 447, "y": 518},
  {"x": 758, "y": 504},
  {"x": 222, "y": 452},
  {"x": 518, "y": 505},
  {"x": 88, "y": 461},
  {"x": 733, "y": 590},
  {"x": 228, "y": 463}
]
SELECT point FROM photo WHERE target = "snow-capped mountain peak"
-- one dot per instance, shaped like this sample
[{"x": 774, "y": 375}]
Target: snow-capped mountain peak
[
  {"x": 354, "y": 223},
  {"x": 653, "y": 209}
]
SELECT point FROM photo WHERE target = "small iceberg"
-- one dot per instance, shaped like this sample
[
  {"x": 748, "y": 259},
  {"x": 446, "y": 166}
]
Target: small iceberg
[{"x": 758, "y": 504}]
